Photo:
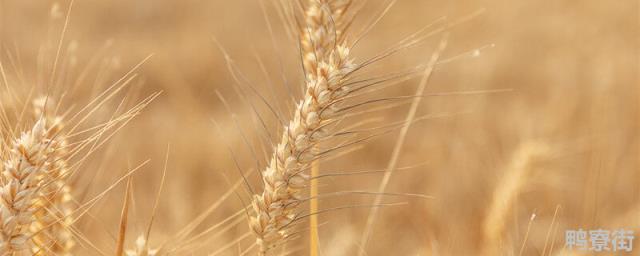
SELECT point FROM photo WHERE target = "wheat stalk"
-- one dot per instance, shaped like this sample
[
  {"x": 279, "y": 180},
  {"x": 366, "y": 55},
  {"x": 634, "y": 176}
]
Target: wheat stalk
[{"x": 31, "y": 157}]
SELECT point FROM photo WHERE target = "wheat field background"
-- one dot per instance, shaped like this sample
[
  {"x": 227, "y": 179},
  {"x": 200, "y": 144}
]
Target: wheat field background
[{"x": 555, "y": 133}]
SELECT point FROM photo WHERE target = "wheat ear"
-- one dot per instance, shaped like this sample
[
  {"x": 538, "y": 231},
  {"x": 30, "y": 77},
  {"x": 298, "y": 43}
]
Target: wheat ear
[
  {"x": 53, "y": 218},
  {"x": 142, "y": 248},
  {"x": 285, "y": 178},
  {"x": 507, "y": 191},
  {"x": 31, "y": 157},
  {"x": 322, "y": 29}
]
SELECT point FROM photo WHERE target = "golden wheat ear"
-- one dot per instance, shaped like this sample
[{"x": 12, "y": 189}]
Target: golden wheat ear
[
  {"x": 333, "y": 90},
  {"x": 323, "y": 28},
  {"x": 284, "y": 179},
  {"x": 32, "y": 157},
  {"x": 142, "y": 247},
  {"x": 52, "y": 228},
  {"x": 507, "y": 190},
  {"x": 40, "y": 164}
]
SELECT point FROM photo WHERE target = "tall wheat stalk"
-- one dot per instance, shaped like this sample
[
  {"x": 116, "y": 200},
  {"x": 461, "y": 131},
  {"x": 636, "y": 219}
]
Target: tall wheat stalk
[
  {"x": 392, "y": 165},
  {"x": 314, "y": 236}
]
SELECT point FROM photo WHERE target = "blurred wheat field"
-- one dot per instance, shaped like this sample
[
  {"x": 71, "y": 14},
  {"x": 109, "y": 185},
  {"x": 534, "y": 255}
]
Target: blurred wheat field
[{"x": 560, "y": 143}]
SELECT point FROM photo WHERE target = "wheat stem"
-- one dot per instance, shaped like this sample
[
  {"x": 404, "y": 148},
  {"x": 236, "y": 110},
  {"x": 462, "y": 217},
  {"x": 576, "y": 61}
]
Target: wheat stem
[
  {"x": 313, "y": 207},
  {"x": 399, "y": 144}
]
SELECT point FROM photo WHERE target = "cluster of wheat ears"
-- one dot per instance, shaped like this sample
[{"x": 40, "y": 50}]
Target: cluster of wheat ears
[
  {"x": 38, "y": 210},
  {"x": 43, "y": 151}
]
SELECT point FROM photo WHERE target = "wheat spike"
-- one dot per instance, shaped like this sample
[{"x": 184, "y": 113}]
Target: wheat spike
[
  {"x": 284, "y": 178},
  {"x": 508, "y": 188},
  {"x": 53, "y": 217},
  {"x": 142, "y": 248},
  {"x": 31, "y": 157},
  {"x": 323, "y": 29}
]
